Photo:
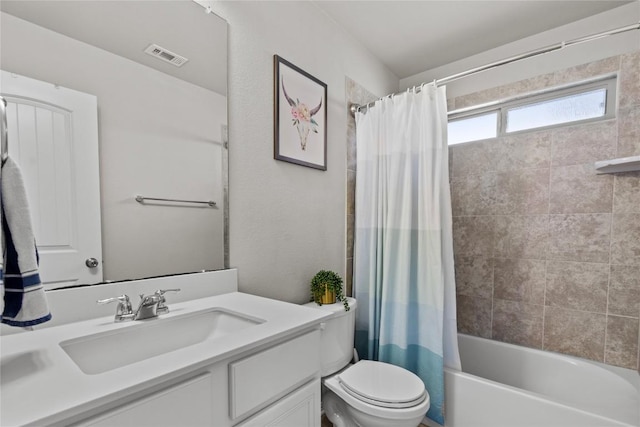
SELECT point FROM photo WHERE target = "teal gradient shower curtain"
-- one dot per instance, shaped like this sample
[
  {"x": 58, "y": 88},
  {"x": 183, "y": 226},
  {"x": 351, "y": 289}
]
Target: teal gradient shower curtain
[{"x": 403, "y": 260}]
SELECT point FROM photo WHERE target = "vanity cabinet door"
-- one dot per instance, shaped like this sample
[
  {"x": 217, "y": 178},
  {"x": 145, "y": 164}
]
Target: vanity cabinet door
[
  {"x": 184, "y": 404},
  {"x": 262, "y": 378},
  {"x": 299, "y": 409}
]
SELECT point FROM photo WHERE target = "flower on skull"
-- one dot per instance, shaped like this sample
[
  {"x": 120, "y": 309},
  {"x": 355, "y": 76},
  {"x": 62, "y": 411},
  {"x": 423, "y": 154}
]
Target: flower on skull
[{"x": 302, "y": 117}]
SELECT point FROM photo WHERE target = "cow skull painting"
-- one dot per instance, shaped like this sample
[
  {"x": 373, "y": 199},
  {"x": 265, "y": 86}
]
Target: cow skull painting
[
  {"x": 302, "y": 117},
  {"x": 300, "y": 122}
]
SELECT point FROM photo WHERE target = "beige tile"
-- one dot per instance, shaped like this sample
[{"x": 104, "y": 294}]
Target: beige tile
[
  {"x": 451, "y": 104},
  {"x": 474, "y": 276},
  {"x": 532, "y": 84},
  {"x": 349, "y": 279},
  {"x": 351, "y": 227},
  {"x": 450, "y": 164},
  {"x": 624, "y": 290},
  {"x": 629, "y": 80},
  {"x": 577, "y": 285},
  {"x": 477, "y": 98},
  {"x": 523, "y": 151},
  {"x": 578, "y": 189},
  {"x": 580, "y": 237},
  {"x": 351, "y": 192},
  {"x": 590, "y": 69},
  {"x": 517, "y": 323},
  {"x": 473, "y": 235},
  {"x": 576, "y": 333},
  {"x": 585, "y": 143},
  {"x": 626, "y": 197},
  {"x": 519, "y": 280},
  {"x": 352, "y": 149},
  {"x": 474, "y": 158},
  {"x": 474, "y": 315},
  {"x": 622, "y": 342},
  {"x": 473, "y": 194},
  {"x": 628, "y": 133},
  {"x": 521, "y": 236},
  {"x": 625, "y": 239},
  {"x": 522, "y": 192},
  {"x": 357, "y": 94}
]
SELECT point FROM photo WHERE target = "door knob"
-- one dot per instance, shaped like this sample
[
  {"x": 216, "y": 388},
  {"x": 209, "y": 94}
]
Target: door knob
[{"x": 91, "y": 262}]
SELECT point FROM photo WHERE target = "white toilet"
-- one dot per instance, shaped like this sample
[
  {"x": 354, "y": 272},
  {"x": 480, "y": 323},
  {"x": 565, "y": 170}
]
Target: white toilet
[{"x": 367, "y": 393}]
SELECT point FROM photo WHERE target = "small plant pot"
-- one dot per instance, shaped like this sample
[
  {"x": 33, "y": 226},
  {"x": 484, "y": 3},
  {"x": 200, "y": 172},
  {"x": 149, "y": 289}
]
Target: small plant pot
[
  {"x": 326, "y": 288},
  {"x": 328, "y": 297}
]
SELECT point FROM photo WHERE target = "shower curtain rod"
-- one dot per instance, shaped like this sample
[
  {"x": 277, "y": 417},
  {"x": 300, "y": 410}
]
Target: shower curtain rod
[{"x": 354, "y": 108}]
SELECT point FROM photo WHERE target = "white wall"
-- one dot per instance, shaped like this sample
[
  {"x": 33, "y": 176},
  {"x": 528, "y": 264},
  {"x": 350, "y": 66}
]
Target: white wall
[
  {"x": 567, "y": 57},
  {"x": 288, "y": 221},
  {"x": 159, "y": 137}
]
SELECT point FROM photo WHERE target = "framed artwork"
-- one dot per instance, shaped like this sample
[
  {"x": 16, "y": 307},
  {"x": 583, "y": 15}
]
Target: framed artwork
[{"x": 300, "y": 116}]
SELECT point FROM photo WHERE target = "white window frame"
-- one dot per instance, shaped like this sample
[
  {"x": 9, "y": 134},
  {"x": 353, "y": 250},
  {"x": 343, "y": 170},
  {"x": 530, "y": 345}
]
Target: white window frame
[{"x": 608, "y": 82}]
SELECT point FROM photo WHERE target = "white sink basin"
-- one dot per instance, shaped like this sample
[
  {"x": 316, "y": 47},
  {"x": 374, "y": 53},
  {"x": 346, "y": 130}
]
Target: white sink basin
[{"x": 142, "y": 340}]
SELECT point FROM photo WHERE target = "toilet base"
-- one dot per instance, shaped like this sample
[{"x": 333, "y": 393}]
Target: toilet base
[{"x": 343, "y": 415}]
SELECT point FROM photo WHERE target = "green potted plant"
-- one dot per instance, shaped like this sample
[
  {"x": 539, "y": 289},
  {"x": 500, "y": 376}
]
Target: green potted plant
[{"x": 326, "y": 288}]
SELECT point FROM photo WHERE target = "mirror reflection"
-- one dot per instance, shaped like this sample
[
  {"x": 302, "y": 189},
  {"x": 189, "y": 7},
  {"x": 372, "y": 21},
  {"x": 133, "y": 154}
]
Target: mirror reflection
[{"x": 94, "y": 121}]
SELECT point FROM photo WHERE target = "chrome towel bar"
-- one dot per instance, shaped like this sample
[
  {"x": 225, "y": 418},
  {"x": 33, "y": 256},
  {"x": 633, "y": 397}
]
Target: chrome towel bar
[{"x": 142, "y": 199}]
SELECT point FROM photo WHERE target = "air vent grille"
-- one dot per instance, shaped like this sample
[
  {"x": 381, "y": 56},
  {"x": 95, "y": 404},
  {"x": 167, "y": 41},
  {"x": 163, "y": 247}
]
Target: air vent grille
[{"x": 165, "y": 55}]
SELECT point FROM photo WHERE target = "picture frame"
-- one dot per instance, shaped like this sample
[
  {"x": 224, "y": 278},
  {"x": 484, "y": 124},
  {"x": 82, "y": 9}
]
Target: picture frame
[{"x": 300, "y": 116}]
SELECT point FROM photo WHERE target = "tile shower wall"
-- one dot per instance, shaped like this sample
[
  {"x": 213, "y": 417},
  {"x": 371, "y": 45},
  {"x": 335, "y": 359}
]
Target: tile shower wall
[{"x": 547, "y": 252}]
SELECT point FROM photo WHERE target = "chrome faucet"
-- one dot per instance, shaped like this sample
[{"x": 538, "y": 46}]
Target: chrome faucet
[{"x": 150, "y": 306}]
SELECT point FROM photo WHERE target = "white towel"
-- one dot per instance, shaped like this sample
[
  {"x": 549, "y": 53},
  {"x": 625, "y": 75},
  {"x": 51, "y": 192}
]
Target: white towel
[{"x": 25, "y": 303}]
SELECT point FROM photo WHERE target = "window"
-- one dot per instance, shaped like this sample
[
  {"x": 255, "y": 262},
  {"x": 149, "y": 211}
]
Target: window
[
  {"x": 584, "y": 102},
  {"x": 482, "y": 126}
]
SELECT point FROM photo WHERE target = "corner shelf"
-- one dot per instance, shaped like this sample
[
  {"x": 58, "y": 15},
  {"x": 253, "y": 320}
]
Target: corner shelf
[{"x": 623, "y": 164}]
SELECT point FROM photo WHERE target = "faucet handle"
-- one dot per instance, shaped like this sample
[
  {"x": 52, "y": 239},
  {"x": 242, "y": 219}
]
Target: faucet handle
[
  {"x": 124, "y": 309},
  {"x": 161, "y": 292},
  {"x": 122, "y": 299},
  {"x": 162, "y": 307}
]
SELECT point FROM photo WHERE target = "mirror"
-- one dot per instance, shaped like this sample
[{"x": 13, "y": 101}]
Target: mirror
[{"x": 160, "y": 132}]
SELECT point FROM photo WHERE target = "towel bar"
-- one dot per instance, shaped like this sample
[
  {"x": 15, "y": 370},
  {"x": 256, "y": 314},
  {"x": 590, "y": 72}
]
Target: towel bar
[{"x": 142, "y": 199}]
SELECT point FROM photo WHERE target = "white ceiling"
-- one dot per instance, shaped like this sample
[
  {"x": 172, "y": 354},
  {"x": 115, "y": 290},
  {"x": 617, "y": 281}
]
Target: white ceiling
[
  {"x": 414, "y": 36},
  {"x": 127, "y": 27},
  {"x": 408, "y": 36}
]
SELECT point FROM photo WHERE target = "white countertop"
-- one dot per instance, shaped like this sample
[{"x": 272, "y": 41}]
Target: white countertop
[{"x": 41, "y": 385}]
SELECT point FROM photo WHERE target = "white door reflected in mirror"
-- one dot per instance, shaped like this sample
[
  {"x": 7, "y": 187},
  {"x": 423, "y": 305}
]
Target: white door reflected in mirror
[{"x": 53, "y": 137}]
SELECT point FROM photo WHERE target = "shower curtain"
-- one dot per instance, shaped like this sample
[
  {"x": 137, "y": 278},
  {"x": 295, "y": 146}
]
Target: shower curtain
[{"x": 403, "y": 254}]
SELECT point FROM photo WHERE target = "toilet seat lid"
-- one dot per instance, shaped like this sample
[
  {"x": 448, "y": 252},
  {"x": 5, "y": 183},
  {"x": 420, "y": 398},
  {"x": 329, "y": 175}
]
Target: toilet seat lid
[{"x": 383, "y": 384}]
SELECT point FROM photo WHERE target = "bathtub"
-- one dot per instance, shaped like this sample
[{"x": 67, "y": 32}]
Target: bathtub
[{"x": 504, "y": 385}]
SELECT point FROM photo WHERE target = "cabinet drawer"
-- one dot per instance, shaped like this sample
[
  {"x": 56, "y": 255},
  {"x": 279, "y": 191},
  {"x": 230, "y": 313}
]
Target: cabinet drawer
[
  {"x": 184, "y": 404},
  {"x": 298, "y": 409},
  {"x": 264, "y": 377}
]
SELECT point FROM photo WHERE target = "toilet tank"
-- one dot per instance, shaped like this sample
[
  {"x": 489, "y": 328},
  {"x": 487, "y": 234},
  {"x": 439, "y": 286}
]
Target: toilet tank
[{"x": 337, "y": 335}]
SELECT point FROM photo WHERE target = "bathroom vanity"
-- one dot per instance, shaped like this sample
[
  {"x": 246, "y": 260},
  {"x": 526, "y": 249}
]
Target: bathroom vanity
[{"x": 226, "y": 360}]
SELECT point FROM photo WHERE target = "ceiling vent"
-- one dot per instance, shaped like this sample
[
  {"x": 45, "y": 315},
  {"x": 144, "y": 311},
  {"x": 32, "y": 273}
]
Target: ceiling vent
[{"x": 165, "y": 55}]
